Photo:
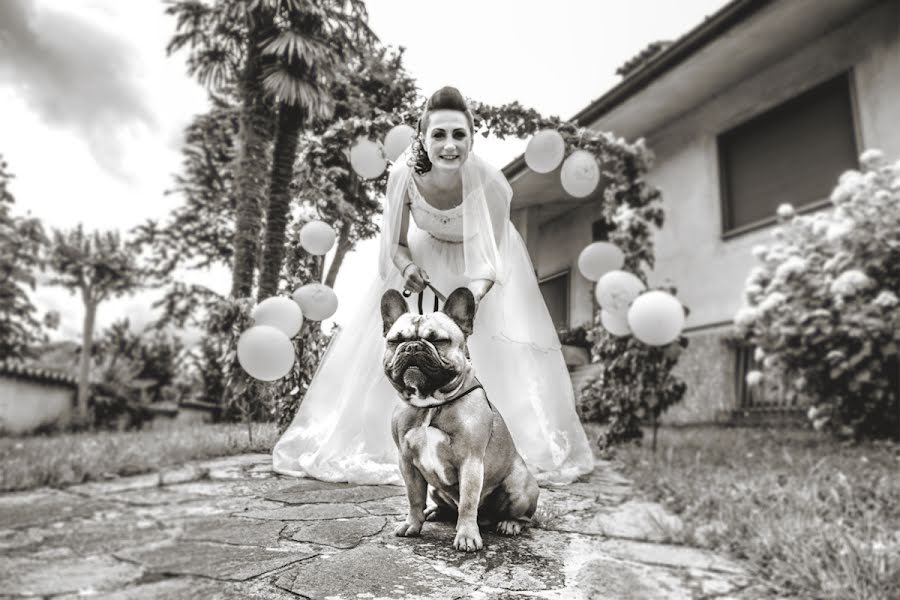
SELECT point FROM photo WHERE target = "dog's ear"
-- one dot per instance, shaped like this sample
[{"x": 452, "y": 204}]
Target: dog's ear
[
  {"x": 392, "y": 306},
  {"x": 460, "y": 307}
]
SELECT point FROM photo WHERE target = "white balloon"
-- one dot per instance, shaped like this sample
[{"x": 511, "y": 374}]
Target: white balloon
[
  {"x": 580, "y": 174},
  {"x": 317, "y": 237},
  {"x": 616, "y": 290},
  {"x": 279, "y": 312},
  {"x": 317, "y": 301},
  {"x": 265, "y": 353},
  {"x": 614, "y": 324},
  {"x": 397, "y": 140},
  {"x": 656, "y": 318},
  {"x": 600, "y": 258},
  {"x": 545, "y": 151},
  {"x": 367, "y": 158}
]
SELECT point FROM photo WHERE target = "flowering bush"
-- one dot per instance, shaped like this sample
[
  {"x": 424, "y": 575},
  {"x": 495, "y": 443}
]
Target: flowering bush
[{"x": 822, "y": 306}]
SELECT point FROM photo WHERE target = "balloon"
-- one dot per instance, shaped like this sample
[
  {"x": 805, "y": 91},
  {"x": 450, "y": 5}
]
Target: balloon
[
  {"x": 367, "y": 158},
  {"x": 279, "y": 312},
  {"x": 545, "y": 151},
  {"x": 656, "y": 318},
  {"x": 265, "y": 353},
  {"x": 614, "y": 324},
  {"x": 397, "y": 140},
  {"x": 616, "y": 290},
  {"x": 580, "y": 174},
  {"x": 316, "y": 300},
  {"x": 317, "y": 237},
  {"x": 600, "y": 258}
]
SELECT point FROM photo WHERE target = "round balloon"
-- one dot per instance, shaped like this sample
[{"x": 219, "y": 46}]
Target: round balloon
[
  {"x": 656, "y": 318},
  {"x": 614, "y": 324},
  {"x": 580, "y": 174},
  {"x": 397, "y": 140},
  {"x": 265, "y": 353},
  {"x": 279, "y": 312},
  {"x": 317, "y": 301},
  {"x": 367, "y": 158},
  {"x": 600, "y": 258},
  {"x": 545, "y": 151},
  {"x": 317, "y": 237},
  {"x": 616, "y": 290}
]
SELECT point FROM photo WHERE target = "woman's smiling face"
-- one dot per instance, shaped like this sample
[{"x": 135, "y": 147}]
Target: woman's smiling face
[{"x": 448, "y": 139}]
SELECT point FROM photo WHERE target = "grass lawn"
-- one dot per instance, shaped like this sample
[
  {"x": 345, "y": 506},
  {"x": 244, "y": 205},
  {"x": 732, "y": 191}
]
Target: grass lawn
[
  {"x": 814, "y": 518},
  {"x": 62, "y": 459}
]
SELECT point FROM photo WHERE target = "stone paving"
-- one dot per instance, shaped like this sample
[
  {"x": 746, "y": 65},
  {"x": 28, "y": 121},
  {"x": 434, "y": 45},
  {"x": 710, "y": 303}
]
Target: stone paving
[{"x": 232, "y": 529}]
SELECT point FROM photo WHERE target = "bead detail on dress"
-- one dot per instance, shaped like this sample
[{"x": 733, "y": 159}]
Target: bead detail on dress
[{"x": 445, "y": 225}]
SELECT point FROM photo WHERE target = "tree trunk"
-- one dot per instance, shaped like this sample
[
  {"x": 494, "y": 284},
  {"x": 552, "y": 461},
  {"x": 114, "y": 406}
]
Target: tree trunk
[
  {"x": 287, "y": 135},
  {"x": 84, "y": 361},
  {"x": 343, "y": 246},
  {"x": 252, "y": 160}
]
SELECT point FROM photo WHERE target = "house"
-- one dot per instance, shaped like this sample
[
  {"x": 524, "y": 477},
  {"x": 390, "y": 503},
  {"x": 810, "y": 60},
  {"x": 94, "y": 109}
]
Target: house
[
  {"x": 765, "y": 102},
  {"x": 32, "y": 399}
]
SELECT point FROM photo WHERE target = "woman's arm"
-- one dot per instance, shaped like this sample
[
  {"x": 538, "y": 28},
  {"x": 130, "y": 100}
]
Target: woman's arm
[
  {"x": 498, "y": 212},
  {"x": 480, "y": 287},
  {"x": 414, "y": 277},
  {"x": 402, "y": 257}
]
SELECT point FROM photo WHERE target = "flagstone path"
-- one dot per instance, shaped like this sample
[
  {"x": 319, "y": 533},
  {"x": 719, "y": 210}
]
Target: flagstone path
[{"x": 232, "y": 529}]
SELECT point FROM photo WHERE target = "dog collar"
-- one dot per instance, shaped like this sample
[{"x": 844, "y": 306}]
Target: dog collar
[{"x": 472, "y": 388}]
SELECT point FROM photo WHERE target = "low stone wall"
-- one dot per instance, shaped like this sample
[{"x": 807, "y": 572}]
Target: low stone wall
[
  {"x": 708, "y": 369},
  {"x": 197, "y": 412},
  {"x": 26, "y": 406}
]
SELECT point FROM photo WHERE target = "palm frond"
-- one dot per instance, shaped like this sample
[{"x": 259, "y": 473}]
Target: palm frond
[
  {"x": 288, "y": 89},
  {"x": 296, "y": 46}
]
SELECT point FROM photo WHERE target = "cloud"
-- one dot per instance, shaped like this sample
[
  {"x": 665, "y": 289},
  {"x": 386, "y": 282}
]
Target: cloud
[{"x": 74, "y": 74}]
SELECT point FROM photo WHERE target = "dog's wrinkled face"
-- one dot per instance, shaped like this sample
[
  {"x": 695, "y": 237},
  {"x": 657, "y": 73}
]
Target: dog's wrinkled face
[{"x": 425, "y": 355}]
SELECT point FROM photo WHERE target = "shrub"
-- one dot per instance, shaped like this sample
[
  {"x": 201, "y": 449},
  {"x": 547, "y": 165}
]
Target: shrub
[
  {"x": 822, "y": 306},
  {"x": 574, "y": 336},
  {"x": 635, "y": 384}
]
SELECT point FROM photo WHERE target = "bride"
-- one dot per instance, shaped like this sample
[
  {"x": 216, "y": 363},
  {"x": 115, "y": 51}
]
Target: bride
[{"x": 446, "y": 224}]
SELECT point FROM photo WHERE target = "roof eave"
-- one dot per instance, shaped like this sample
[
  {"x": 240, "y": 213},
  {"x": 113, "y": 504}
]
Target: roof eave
[{"x": 680, "y": 50}]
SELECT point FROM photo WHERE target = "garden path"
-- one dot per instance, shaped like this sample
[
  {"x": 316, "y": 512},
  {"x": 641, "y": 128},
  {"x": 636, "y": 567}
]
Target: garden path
[{"x": 231, "y": 528}]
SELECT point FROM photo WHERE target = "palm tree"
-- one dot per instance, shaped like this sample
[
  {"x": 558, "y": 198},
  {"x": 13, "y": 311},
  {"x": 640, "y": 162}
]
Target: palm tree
[
  {"x": 226, "y": 55},
  {"x": 99, "y": 266},
  {"x": 310, "y": 46}
]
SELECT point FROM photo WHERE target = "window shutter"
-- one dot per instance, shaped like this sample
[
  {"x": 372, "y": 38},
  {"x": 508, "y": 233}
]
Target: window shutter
[{"x": 793, "y": 154}]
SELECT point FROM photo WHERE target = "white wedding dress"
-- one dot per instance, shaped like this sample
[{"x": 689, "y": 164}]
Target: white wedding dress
[{"x": 341, "y": 431}]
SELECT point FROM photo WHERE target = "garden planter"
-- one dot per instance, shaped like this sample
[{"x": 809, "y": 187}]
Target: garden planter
[{"x": 575, "y": 356}]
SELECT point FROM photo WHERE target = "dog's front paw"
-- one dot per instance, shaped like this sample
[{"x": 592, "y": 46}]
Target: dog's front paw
[
  {"x": 410, "y": 528},
  {"x": 468, "y": 538},
  {"x": 510, "y": 527}
]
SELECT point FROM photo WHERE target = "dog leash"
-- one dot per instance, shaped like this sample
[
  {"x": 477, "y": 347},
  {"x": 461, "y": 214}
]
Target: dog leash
[{"x": 437, "y": 295}]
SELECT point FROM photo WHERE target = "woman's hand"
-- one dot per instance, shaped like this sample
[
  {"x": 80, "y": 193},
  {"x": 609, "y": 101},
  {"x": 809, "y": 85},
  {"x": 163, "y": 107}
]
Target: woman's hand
[{"x": 415, "y": 278}]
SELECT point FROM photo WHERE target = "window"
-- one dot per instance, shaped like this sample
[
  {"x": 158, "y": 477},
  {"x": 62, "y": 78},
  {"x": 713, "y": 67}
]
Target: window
[
  {"x": 556, "y": 296},
  {"x": 792, "y": 153},
  {"x": 768, "y": 395},
  {"x": 748, "y": 396}
]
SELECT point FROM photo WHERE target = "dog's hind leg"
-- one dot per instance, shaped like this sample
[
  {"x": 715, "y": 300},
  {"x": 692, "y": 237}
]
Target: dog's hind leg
[
  {"x": 440, "y": 508},
  {"x": 519, "y": 500}
]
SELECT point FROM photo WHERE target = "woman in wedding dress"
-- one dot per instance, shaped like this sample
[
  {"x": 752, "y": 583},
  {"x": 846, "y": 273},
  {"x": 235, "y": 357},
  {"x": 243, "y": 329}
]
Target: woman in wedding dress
[{"x": 446, "y": 223}]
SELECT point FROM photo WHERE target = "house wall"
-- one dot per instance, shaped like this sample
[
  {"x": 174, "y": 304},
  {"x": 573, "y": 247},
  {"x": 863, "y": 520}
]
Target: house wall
[
  {"x": 27, "y": 405},
  {"x": 710, "y": 271},
  {"x": 691, "y": 254}
]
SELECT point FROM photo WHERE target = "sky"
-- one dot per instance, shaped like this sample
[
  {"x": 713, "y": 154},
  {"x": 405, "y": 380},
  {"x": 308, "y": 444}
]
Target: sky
[{"x": 92, "y": 110}]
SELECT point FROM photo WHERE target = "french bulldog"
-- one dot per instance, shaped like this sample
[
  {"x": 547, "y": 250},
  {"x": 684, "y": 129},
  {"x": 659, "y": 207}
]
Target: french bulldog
[{"x": 453, "y": 444}]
